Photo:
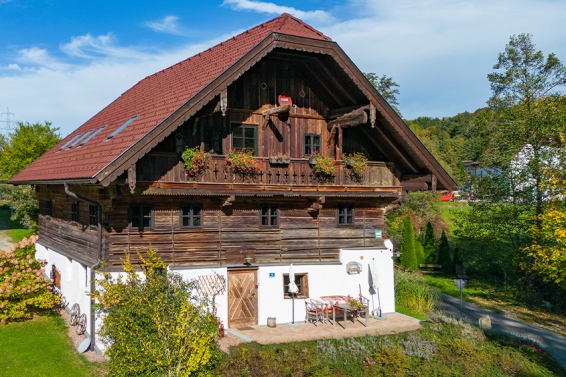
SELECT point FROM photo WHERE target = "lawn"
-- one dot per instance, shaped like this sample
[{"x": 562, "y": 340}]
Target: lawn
[
  {"x": 448, "y": 211},
  {"x": 41, "y": 347},
  {"x": 14, "y": 230}
]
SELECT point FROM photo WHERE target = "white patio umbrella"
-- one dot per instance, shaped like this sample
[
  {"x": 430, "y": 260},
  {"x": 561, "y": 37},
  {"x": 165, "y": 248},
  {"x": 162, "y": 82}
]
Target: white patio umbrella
[{"x": 293, "y": 289}]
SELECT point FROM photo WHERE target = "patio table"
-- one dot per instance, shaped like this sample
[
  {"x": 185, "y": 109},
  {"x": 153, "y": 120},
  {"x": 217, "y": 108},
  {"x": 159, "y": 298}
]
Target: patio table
[{"x": 346, "y": 309}]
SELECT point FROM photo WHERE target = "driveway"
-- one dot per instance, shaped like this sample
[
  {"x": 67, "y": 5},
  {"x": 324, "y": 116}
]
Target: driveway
[{"x": 554, "y": 343}]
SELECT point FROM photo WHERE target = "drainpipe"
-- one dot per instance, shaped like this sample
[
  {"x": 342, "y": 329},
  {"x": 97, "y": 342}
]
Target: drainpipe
[{"x": 99, "y": 254}]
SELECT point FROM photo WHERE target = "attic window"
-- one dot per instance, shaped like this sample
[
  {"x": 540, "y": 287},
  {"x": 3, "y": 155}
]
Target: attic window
[
  {"x": 121, "y": 128},
  {"x": 69, "y": 142},
  {"x": 85, "y": 135},
  {"x": 91, "y": 136}
]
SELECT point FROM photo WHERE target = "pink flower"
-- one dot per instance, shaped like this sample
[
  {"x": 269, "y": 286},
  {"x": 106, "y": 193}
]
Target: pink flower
[{"x": 540, "y": 357}]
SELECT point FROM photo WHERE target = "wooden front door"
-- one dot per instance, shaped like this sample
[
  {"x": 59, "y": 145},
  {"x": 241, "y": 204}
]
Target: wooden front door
[{"x": 242, "y": 298}]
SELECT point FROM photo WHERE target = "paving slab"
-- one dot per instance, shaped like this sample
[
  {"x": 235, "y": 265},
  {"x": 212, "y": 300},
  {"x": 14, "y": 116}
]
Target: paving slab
[{"x": 393, "y": 323}]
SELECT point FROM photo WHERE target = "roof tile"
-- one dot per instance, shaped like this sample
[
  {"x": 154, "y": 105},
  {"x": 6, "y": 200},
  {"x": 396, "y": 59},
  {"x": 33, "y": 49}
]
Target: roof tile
[{"x": 154, "y": 98}]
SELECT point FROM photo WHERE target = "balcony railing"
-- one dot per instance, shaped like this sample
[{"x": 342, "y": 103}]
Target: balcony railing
[{"x": 169, "y": 168}]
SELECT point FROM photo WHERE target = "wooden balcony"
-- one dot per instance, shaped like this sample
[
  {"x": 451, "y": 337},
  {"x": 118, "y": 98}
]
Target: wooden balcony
[{"x": 163, "y": 168}]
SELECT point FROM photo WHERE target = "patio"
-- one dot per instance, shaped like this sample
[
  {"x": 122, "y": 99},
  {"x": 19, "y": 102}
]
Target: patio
[{"x": 393, "y": 324}]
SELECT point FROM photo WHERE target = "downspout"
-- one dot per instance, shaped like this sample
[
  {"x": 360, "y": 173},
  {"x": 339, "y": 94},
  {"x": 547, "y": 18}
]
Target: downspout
[{"x": 99, "y": 254}]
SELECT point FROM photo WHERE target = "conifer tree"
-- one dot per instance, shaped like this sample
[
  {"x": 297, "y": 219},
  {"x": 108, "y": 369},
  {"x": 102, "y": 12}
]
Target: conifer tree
[
  {"x": 429, "y": 245},
  {"x": 408, "y": 254},
  {"x": 444, "y": 253},
  {"x": 419, "y": 251}
]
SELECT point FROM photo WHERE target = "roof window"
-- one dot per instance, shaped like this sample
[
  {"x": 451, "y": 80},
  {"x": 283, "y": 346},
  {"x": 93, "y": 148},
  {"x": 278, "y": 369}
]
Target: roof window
[
  {"x": 85, "y": 135},
  {"x": 121, "y": 128},
  {"x": 91, "y": 136},
  {"x": 70, "y": 141}
]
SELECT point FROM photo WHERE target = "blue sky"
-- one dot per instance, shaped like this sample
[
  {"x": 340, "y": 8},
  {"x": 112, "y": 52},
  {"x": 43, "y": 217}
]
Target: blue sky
[{"x": 63, "y": 61}]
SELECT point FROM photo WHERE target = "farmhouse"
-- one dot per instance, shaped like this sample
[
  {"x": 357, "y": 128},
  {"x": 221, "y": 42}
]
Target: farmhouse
[{"x": 282, "y": 120}]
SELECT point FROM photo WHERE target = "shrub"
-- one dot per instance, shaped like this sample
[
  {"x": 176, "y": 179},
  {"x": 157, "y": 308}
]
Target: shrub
[
  {"x": 408, "y": 252},
  {"x": 153, "y": 325},
  {"x": 429, "y": 244},
  {"x": 23, "y": 287},
  {"x": 412, "y": 292}
]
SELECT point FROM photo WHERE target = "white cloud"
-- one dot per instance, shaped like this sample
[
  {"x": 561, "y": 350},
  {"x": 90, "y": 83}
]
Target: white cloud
[
  {"x": 166, "y": 25},
  {"x": 68, "y": 94},
  {"x": 319, "y": 16},
  {"x": 87, "y": 46}
]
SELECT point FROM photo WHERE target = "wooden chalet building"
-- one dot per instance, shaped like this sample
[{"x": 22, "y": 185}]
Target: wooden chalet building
[{"x": 118, "y": 183}]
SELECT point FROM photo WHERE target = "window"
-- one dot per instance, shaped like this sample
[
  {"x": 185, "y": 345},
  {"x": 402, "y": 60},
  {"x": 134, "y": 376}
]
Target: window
[
  {"x": 312, "y": 144},
  {"x": 213, "y": 139},
  {"x": 244, "y": 136},
  {"x": 141, "y": 216},
  {"x": 346, "y": 215},
  {"x": 191, "y": 216},
  {"x": 92, "y": 215},
  {"x": 75, "y": 212},
  {"x": 48, "y": 208},
  {"x": 269, "y": 216},
  {"x": 302, "y": 281},
  {"x": 121, "y": 128}
]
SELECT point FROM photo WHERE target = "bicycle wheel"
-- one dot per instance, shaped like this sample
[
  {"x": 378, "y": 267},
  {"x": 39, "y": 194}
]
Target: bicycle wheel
[
  {"x": 81, "y": 324},
  {"x": 75, "y": 313}
]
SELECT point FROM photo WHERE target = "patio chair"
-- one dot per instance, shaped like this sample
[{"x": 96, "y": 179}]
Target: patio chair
[
  {"x": 325, "y": 309},
  {"x": 313, "y": 313},
  {"x": 365, "y": 311}
]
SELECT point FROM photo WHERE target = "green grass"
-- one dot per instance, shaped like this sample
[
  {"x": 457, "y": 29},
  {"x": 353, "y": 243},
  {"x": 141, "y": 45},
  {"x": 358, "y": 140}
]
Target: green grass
[
  {"x": 16, "y": 232},
  {"x": 41, "y": 347},
  {"x": 411, "y": 313},
  {"x": 448, "y": 211},
  {"x": 444, "y": 347}
]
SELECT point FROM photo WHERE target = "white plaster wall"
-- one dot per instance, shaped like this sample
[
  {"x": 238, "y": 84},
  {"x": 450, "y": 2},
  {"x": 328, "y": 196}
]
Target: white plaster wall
[
  {"x": 326, "y": 280},
  {"x": 75, "y": 277},
  {"x": 331, "y": 279}
]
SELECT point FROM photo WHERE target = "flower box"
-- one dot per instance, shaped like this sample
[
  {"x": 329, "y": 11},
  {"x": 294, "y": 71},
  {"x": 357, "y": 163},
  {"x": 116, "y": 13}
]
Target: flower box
[{"x": 280, "y": 160}]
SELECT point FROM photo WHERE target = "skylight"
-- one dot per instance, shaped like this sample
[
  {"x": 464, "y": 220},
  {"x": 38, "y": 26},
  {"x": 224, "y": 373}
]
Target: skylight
[
  {"x": 121, "y": 128},
  {"x": 69, "y": 142},
  {"x": 85, "y": 135},
  {"x": 91, "y": 136}
]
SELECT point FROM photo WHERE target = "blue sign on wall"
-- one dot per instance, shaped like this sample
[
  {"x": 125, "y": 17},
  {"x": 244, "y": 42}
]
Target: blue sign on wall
[
  {"x": 272, "y": 274},
  {"x": 378, "y": 233}
]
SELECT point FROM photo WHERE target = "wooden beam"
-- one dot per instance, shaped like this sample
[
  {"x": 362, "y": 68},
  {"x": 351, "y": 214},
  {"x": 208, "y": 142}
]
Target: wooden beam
[
  {"x": 316, "y": 205},
  {"x": 224, "y": 101},
  {"x": 229, "y": 201},
  {"x": 285, "y": 109},
  {"x": 331, "y": 136},
  {"x": 335, "y": 113},
  {"x": 350, "y": 119},
  {"x": 372, "y": 115}
]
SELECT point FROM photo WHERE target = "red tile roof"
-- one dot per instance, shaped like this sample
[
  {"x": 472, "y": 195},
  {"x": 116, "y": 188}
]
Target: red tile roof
[{"x": 154, "y": 98}]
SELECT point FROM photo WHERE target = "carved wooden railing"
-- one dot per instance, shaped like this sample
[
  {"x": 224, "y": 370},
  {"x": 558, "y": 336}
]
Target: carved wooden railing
[{"x": 169, "y": 168}]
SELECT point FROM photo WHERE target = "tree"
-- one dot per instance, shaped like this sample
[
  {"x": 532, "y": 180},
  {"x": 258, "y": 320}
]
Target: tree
[
  {"x": 25, "y": 145},
  {"x": 153, "y": 325},
  {"x": 429, "y": 244},
  {"x": 386, "y": 87},
  {"x": 408, "y": 253},
  {"x": 444, "y": 253},
  {"x": 18, "y": 150},
  {"x": 527, "y": 113},
  {"x": 419, "y": 250}
]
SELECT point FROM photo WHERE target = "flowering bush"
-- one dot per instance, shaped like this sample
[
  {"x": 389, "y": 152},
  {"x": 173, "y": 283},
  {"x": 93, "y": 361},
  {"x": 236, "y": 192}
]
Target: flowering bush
[
  {"x": 357, "y": 163},
  {"x": 242, "y": 161},
  {"x": 195, "y": 160},
  {"x": 534, "y": 352},
  {"x": 22, "y": 284},
  {"x": 325, "y": 166}
]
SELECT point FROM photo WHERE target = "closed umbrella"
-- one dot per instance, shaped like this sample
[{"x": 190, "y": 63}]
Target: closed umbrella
[
  {"x": 293, "y": 289},
  {"x": 376, "y": 285}
]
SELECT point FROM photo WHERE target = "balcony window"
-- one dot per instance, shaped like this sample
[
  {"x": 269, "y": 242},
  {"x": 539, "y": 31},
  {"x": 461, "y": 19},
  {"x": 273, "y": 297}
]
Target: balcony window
[
  {"x": 312, "y": 144},
  {"x": 244, "y": 137}
]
